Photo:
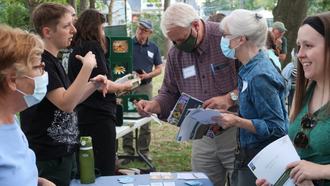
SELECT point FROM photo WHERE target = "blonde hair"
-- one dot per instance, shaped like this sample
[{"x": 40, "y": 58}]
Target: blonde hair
[
  {"x": 18, "y": 49},
  {"x": 178, "y": 14}
]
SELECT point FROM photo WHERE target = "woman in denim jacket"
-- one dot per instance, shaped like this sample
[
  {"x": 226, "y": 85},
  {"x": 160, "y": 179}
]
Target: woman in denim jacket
[{"x": 262, "y": 115}]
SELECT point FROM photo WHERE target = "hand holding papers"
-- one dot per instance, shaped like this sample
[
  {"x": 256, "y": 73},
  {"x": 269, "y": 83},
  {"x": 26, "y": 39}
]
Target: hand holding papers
[
  {"x": 194, "y": 121},
  {"x": 153, "y": 117},
  {"x": 205, "y": 116},
  {"x": 134, "y": 80},
  {"x": 271, "y": 161}
]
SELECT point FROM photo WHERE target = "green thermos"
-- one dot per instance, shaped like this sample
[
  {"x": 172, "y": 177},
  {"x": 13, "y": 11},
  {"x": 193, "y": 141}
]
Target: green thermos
[{"x": 86, "y": 160}]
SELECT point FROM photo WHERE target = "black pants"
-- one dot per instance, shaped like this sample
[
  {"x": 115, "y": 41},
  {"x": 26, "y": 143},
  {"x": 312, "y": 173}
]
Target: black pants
[{"x": 103, "y": 135}]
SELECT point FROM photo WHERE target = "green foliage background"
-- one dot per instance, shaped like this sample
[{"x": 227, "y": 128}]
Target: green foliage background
[{"x": 15, "y": 14}]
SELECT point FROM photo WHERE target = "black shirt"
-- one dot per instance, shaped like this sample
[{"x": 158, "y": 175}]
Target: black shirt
[
  {"x": 51, "y": 132},
  {"x": 95, "y": 107}
]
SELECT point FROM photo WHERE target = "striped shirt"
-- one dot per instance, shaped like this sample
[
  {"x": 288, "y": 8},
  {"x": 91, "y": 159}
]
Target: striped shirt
[{"x": 206, "y": 83}]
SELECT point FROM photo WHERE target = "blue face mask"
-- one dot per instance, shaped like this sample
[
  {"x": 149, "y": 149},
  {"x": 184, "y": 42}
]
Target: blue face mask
[
  {"x": 40, "y": 90},
  {"x": 225, "y": 42}
]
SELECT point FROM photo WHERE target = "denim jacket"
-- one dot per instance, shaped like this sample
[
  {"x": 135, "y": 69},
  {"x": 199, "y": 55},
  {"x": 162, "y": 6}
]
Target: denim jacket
[{"x": 262, "y": 100}]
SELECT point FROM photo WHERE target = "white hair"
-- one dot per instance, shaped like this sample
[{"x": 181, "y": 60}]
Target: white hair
[
  {"x": 178, "y": 14},
  {"x": 250, "y": 24}
]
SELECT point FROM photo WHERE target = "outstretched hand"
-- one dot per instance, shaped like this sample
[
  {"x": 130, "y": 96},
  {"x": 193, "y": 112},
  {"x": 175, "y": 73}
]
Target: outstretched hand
[
  {"x": 102, "y": 80},
  {"x": 89, "y": 59}
]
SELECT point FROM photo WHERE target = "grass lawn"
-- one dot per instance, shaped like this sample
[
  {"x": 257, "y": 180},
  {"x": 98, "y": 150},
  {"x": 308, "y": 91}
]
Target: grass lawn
[{"x": 167, "y": 154}]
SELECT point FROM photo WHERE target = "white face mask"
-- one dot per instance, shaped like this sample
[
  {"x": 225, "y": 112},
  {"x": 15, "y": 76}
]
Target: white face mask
[
  {"x": 225, "y": 42},
  {"x": 40, "y": 90}
]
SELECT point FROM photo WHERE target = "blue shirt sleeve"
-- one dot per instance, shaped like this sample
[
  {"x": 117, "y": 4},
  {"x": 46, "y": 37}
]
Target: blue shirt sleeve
[{"x": 265, "y": 96}]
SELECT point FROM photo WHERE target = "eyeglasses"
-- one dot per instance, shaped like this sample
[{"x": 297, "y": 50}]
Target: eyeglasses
[
  {"x": 224, "y": 36},
  {"x": 41, "y": 67},
  {"x": 301, "y": 140},
  {"x": 143, "y": 30}
]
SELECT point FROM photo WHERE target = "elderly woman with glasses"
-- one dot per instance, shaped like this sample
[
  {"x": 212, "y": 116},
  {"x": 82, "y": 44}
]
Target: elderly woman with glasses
[
  {"x": 23, "y": 83},
  {"x": 262, "y": 116},
  {"x": 309, "y": 118}
]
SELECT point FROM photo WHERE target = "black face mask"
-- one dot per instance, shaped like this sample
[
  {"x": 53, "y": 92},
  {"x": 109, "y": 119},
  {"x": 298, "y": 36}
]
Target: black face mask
[{"x": 188, "y": 45}]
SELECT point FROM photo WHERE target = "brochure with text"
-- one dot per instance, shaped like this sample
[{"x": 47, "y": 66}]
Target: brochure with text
[
  {"x": 194, "y": 121},
  {"x": 271, "y": 161}
]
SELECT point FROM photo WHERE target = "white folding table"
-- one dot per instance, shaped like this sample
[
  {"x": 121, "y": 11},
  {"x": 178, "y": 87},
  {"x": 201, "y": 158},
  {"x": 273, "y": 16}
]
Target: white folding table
[{"x": 123, "y": 130}]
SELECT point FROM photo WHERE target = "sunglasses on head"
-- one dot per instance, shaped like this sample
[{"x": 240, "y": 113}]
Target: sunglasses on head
[{"x": 301, "y": 140}]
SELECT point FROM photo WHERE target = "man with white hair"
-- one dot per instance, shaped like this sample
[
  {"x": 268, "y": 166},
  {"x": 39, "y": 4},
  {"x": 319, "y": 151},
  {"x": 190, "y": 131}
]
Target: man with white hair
[{"x": 196, "y": 66}]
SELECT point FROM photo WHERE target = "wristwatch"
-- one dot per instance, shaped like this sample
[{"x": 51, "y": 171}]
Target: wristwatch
[{"x": 234, "y": 97}]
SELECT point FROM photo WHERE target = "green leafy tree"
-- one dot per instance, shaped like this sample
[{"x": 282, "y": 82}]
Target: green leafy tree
[
  {"x": 212, "y": 6},
  {"x": 14, "y": 14},
  {"x": 318, "y": 6}
]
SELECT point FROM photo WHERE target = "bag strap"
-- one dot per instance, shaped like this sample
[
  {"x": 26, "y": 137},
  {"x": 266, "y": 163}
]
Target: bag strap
[{"x": 238, "y": 143}]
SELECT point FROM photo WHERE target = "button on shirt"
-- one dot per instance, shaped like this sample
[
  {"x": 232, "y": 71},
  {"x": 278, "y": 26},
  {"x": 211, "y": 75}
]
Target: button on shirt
[
  {"x": 204, "y": 84},
  {"x": 262, "y": 100},
  {"x": 145, "y": 56}
]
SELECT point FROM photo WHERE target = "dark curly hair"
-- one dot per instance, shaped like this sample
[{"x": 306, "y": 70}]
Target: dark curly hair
[{"x": 88, "y": 28}]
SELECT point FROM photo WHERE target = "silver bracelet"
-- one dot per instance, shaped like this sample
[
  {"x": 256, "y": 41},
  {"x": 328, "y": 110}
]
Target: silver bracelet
[{"x": 96, "y": 84}]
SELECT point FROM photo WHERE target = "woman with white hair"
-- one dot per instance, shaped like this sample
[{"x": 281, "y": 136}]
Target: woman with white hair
[{"x": 262, "y": 115}]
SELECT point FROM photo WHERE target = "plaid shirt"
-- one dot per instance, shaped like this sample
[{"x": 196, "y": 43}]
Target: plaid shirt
[{"x": 206, "y": 83}]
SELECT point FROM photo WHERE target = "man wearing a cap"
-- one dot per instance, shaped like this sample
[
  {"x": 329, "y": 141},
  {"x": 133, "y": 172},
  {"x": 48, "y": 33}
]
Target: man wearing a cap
[
  {"x": 279, "y": 30},
  {"x": 145, "y": 55},
  {"x": 196, "y": 66}
]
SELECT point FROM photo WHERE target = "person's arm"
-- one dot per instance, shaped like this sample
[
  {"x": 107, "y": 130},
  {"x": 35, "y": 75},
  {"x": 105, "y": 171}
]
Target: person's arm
[
  {"x": 102, "y": 81},
  {"x": 44, "y": 182},
  {"x": 271, "y": 120},
  {"x": 230, "y": 120},
  {"x": 116, "y": 87},
  {"x": 221, "y": 102},
  {"x": 149, "y": 106},
  {"x": 156, "y": 72},
  {"x": 67, "y": 100},
  {"x": 282, "y": 57}
]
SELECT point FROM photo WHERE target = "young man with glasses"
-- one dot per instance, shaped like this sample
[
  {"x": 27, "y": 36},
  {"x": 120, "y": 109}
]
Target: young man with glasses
[
  {"x": 145, "y": 55},
  {"x": 281, "y": 42}
]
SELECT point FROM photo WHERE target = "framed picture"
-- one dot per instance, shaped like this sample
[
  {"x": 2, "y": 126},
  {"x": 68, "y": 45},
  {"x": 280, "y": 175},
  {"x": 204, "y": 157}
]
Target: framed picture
[{"x": 120, "y": 46}]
